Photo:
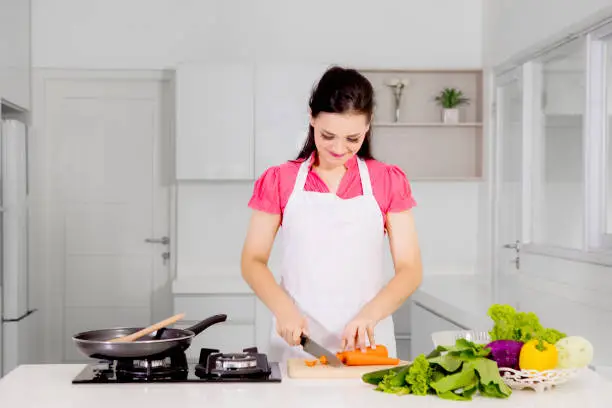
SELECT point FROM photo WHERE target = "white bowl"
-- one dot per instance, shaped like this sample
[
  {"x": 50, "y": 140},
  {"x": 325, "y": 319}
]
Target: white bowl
[{"x": 449, "y": 337}]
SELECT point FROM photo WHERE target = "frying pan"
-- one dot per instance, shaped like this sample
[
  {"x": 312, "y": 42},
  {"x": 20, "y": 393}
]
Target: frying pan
[{"x": 96, "y": 343}]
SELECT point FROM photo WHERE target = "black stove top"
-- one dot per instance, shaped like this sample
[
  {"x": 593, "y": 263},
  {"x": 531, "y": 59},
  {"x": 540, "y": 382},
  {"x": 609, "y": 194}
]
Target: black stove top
[{"x": 212, "y": 366}]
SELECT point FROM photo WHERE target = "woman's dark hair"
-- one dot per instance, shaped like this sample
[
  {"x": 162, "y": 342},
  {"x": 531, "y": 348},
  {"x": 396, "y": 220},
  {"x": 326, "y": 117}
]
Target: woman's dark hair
[{"x": 341, "y": 90}]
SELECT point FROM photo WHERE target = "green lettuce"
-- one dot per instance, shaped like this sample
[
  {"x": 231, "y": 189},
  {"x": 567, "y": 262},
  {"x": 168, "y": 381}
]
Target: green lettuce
[
  {"x": 455, "y": 373},
  {"x": 508, "y": 324},
  {"x": 419, "y": 376}
]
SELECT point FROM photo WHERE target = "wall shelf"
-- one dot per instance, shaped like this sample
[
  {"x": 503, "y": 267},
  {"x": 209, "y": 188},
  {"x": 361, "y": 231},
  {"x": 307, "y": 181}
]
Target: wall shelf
[{"x": 426, "y": 148}]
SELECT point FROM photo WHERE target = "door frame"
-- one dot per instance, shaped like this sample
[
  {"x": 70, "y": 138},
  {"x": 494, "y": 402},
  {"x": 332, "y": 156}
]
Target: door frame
[
  {"x": 499, "y": 81},
  {"x": 45, "y": 262}
]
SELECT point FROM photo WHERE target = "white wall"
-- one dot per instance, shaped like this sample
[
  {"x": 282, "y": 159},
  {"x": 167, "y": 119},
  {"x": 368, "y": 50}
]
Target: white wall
[
  {"x": 511, "y": 26},
  {"x": 154, "y": 34},
  {"x": 213, "y": 220}
]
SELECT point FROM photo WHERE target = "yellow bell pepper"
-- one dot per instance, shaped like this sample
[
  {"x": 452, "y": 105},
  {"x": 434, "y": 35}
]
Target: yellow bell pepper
[{"x": 538, "y": 355}]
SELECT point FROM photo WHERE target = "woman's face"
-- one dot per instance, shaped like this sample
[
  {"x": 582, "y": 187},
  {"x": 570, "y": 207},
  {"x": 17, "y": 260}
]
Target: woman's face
[{"x": 339, "y": 136}]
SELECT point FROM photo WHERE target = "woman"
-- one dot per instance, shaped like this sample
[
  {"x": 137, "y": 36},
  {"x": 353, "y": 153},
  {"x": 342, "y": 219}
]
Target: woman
[{"x": 333, "y": 206}]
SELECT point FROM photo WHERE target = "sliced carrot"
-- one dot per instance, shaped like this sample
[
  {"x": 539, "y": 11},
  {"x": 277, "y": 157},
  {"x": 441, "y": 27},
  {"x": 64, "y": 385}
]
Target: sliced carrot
[
  {"x": 359, "y": 358},
  {"x": 310, "y": 363},
  {"x": 323, "y": 360}
]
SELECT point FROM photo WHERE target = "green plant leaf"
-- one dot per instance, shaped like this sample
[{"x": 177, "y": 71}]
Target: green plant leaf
[{"x": 450, "y": 98}]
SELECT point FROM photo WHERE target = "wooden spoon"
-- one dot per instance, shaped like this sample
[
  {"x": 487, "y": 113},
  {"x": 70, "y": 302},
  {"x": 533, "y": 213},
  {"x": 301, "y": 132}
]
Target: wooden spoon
[{"x": 150, "y": 329}]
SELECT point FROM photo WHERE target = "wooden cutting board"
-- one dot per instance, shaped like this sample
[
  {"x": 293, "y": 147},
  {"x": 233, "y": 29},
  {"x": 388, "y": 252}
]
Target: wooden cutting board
[{"x": 297, "y": 369}]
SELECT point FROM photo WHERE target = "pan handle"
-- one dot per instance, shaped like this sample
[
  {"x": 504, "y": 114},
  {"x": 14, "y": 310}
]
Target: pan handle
[{"x": 205, "y": 324}]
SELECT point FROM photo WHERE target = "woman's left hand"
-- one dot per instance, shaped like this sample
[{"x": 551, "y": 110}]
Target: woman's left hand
[{"x": 357, "y": 332}]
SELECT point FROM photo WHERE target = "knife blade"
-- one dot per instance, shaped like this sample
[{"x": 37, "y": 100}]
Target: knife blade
[{"x": 312, "y": 347}]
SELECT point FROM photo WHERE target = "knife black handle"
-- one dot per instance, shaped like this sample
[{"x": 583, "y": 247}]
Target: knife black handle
[{"x": 303, "y": 340}]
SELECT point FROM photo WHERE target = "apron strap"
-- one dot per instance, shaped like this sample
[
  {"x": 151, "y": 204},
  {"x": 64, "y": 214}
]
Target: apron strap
[
  {"x": 364, "y": 175},
  {"x": 300, "y": 180}
]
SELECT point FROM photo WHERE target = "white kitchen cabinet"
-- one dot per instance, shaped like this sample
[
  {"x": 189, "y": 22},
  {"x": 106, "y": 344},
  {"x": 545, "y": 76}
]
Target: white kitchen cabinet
[
  {"x": 425, "y": 322},
  {"x": 282, "y": 92},
  {"x": 214, "y": 127},
  {"x": 15, "y": 52}
]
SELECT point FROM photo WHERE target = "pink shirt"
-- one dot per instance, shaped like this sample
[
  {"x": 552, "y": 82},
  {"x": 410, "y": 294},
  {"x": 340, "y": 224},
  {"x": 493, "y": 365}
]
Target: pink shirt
[{"x": 389, "y": 184}]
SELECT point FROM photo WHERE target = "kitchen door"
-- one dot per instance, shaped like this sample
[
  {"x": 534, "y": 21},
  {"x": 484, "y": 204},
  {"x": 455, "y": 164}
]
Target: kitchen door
[{"x": 108, "y": 248}]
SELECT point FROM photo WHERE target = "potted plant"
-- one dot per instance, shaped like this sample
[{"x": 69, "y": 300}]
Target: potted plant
[{"x": 450, "y": 99}]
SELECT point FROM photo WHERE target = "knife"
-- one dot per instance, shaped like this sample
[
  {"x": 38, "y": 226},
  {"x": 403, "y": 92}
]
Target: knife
[{"x": 312, "y": 347}]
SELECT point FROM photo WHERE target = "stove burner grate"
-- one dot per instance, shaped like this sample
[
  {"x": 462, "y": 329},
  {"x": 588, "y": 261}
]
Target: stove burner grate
[
  {"x": 173, "y": 366},
  {"x": 248, "y": 364},
  {"x": 235, "y": 361}
]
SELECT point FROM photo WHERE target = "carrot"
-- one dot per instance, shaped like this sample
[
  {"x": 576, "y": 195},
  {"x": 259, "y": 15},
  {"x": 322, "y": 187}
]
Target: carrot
[
  {"x": 359, "y": 358},
  {"x": 380, "y": 350},
  {"x": 376, "y": 356}
]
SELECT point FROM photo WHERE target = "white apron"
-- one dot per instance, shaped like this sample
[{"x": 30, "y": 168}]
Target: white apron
[{"x": 332, "y": 262}]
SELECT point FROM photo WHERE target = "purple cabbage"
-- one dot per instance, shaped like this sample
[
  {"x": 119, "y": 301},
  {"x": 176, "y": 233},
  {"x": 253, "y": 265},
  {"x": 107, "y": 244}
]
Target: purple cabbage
[{"x": 505, "y": 353}]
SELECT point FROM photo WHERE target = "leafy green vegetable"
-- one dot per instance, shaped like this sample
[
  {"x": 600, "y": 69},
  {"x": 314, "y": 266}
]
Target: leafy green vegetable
[
  {"x": 457, "y": 374},
  {"x": 491, "y": 384},
  {"x": 376, "y": 377},
  {"x": 388, "y": 384},
  {"x": 459, "y": 386},
  {"x": 467, "y": 350},
  {"x": 414, "y": 378},
  {"x": 419, "y": 376},
  {"x": 447, "y": 362},
  {"x": 552, "y": 336},
  {"x": 504, "y": 317},
  {"x": 508, "y": 324}
]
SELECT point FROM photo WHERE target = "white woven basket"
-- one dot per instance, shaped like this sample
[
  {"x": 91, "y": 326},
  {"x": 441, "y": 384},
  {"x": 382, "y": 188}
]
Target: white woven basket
[
  {"x": 536, "y": 380},
  {"x": 524, "y": 379}
]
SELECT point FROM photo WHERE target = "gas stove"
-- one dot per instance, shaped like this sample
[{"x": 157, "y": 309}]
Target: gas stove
[{"x": 212, "y": 366}]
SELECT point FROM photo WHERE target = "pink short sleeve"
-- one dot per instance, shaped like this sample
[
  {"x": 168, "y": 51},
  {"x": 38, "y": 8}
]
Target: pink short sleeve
[
  {"x": 400, "y": 193},
  {"x": 266, "y": 192}
]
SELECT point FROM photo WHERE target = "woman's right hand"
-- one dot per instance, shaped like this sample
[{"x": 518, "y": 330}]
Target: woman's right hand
[{"x": 291, "y": 325}]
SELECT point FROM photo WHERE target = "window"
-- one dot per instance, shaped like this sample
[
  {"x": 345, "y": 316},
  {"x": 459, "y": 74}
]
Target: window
[
  {"x": 567, "y": 149},
  {"x": 598, "y": 194},
  {"x": 606, "y": 105},
  {"x": 558, "y": 91}
]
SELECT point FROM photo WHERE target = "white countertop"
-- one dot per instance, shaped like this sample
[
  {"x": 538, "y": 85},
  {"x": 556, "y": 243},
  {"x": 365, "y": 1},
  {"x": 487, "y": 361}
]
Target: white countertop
[
  {"x": 50, "y": 386},
  {"x": 463, "y": 299}
]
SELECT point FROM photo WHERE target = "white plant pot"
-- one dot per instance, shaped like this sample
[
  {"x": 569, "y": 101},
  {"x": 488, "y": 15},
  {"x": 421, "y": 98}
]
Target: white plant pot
[{"x": 450, "y": 116}]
